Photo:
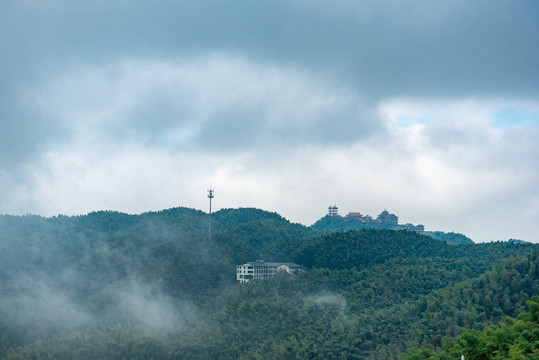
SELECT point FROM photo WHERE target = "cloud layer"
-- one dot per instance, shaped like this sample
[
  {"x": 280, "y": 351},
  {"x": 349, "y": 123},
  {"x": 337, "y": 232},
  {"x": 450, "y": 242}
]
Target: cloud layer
[{"x": 285, "y": 106}]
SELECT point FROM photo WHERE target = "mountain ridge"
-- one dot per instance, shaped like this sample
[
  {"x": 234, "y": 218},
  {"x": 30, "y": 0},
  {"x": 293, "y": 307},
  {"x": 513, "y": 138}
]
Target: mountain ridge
[{"x": 242, "y": 215}]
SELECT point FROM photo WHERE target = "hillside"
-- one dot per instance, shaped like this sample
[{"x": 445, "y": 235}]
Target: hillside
[{"x": 155, "y": 285}]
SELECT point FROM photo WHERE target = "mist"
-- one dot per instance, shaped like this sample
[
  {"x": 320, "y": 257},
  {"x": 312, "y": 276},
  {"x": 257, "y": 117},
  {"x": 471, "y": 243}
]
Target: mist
[{"x": 66, "y": 274}]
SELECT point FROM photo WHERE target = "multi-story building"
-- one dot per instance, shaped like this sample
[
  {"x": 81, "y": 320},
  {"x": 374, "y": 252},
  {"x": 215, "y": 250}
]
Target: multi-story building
[
  {"x": 333, "y": 210},
  {"x": 260, "y": 269},
  {"x": 386, "y": 218}
]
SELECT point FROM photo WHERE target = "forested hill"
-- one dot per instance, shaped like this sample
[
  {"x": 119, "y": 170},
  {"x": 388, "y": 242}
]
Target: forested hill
[{"x": 157, "y": 285}]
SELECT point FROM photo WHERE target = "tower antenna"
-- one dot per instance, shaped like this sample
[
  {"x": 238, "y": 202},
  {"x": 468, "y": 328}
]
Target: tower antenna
[{"x": 210, "y": 196}]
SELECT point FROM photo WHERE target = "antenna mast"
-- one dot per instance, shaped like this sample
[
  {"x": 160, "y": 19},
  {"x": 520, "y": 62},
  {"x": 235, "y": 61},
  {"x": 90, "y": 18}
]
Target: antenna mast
[{"x": 210, "y": 196}]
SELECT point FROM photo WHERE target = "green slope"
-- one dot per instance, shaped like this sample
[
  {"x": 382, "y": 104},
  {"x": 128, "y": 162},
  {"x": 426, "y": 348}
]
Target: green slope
[{"x": 157, "y": 285}]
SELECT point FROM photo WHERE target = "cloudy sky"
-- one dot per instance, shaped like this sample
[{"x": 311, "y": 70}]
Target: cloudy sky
[{"x": 429, "y": 109}]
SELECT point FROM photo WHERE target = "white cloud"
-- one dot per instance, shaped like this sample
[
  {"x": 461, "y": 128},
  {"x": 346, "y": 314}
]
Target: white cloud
[
  {"x": 138, "y": 135},
  {"x": 477, "y": 175}
]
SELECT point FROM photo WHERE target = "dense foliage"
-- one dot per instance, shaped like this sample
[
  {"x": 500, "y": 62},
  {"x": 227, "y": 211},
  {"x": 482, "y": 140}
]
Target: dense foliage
[
  {"x": 515, "y": 339},
  {"x": 109, "y": 285}
]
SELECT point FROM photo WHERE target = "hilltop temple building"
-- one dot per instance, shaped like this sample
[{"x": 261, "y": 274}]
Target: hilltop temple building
[
  {"x": 385, "y": 220},
  {"x": 333, "y": 211}
]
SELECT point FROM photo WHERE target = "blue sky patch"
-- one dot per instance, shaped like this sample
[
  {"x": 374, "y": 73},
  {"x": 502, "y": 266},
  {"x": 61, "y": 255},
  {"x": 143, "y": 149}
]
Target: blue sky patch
[
  {"x": 406, "y": 121},
  {"x": 513, "y": 117}
]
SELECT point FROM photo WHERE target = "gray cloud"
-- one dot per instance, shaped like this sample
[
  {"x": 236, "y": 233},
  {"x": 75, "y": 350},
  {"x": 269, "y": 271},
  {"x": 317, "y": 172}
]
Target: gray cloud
[
  {"x": 216, "y": 102},
  {"x": 389, "y": 48}
]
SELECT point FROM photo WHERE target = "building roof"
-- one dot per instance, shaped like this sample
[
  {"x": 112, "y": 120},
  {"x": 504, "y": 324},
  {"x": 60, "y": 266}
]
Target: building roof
[{"x": 276, "y": 264}]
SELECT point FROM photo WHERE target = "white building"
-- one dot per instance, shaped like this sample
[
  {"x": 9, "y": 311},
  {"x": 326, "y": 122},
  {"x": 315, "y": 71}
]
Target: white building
[{"x": 260, "y": 269}]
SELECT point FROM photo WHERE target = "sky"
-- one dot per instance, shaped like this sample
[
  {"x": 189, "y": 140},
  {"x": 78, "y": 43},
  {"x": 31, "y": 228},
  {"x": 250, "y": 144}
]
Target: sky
[{"x": 427, "y": 109}]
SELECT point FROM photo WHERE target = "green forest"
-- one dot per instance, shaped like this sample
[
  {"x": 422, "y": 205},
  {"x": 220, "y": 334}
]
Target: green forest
[
  {"x": 109, "y": 285},
  {"x": 516, "y": 339}
]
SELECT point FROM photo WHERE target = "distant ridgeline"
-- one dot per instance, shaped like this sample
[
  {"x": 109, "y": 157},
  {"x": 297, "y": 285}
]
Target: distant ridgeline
[{"x": 357, "y": 221}]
